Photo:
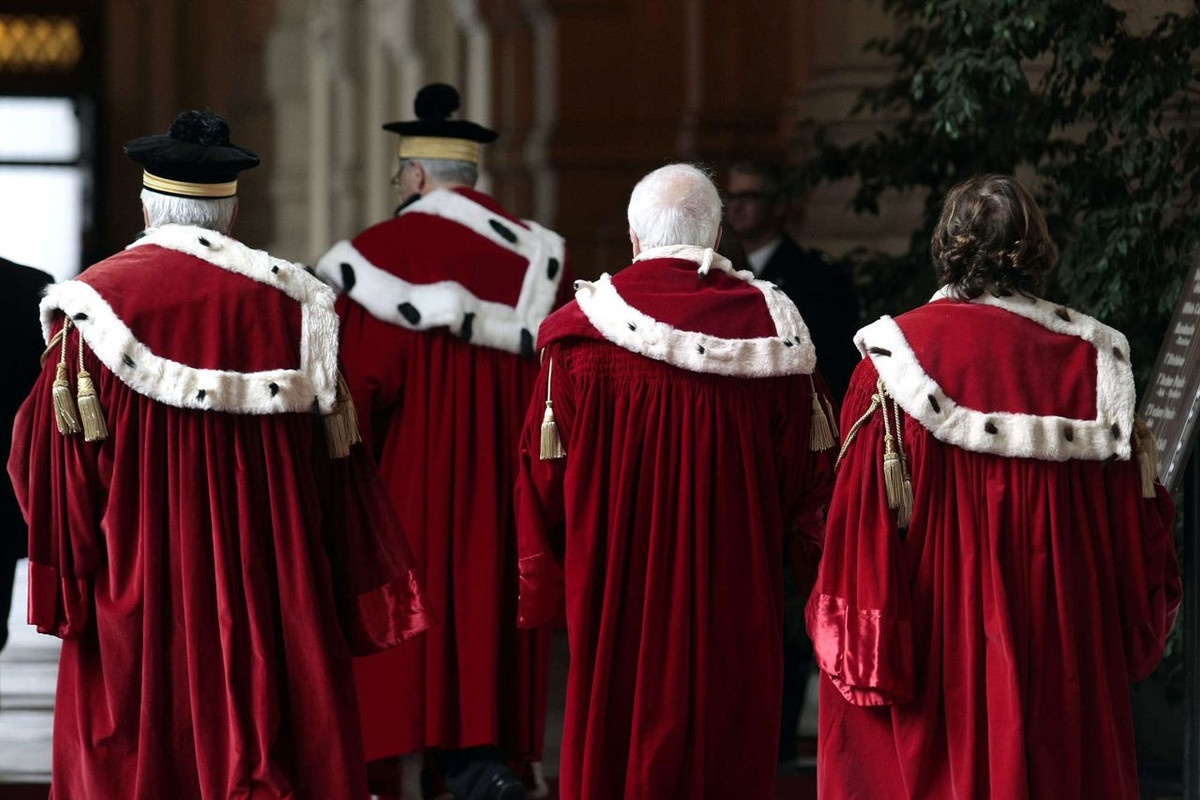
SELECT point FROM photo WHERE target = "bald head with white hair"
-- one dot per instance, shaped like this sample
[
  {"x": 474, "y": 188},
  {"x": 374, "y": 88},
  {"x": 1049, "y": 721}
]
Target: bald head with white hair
[{"x": 674, "y": 205}]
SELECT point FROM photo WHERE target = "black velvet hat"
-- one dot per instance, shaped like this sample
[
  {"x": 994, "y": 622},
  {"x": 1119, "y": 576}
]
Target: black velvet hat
[
  {"x": 433, "y": 134},
  {"x": 193, "y": 159}
]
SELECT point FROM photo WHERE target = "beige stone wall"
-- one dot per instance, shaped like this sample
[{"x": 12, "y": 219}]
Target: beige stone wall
[{"x": 337, "y": 70}]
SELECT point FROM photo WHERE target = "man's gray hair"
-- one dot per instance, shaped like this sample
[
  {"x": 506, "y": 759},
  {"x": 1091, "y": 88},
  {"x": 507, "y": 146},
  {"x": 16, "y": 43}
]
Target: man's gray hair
[
  {"x": 444, "y": 171},
  {"x": 164, "y": 209},
  {"x": 675, "y": 204}
]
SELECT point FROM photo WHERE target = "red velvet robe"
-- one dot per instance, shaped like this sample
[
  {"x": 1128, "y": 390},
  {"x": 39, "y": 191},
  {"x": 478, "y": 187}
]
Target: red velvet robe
[
  {"x": 438, "y": 326},
  {"x": 661, "y": 535},
  {"x": 211, "y": 572},
  {"x": 986, "y": 651}
]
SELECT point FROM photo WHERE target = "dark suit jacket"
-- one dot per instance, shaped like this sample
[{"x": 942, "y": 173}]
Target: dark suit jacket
[
  {"x": 825, "y": 296},
  {"x": 20, "y": 292}
]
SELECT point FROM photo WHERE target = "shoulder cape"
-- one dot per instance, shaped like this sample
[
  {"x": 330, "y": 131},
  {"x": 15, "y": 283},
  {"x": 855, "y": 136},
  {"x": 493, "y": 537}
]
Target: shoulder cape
[
  {"x": 106, "y": 302},
  {"x": 1012, "y": 376}
]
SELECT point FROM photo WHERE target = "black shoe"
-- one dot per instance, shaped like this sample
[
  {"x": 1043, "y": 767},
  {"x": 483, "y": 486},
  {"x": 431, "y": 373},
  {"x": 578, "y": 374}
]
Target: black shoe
[{"x": 504, "y": 786}]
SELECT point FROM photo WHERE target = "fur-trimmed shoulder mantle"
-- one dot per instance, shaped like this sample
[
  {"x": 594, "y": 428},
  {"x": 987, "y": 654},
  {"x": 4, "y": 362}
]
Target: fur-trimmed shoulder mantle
[
  {"x": 312, "y": 384},
  {"x": 789, "y": 352},
  {"x": 448, "y": 304},
  {"x": 1050, "y": 438}
]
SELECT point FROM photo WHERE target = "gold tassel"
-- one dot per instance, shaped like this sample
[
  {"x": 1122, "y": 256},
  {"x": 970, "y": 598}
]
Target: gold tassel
[
  {"x": 820, "y": 435},
  {"x": 893, "y": 474},
  {"x": 897, "y": 484},
  {"x": 90, "y": 412},
  {"x": 551, "y": 445},
  {"x": 1147, "y": 456},
  {"x": 349, "y": 412},
  {"x": 341, "y": 425},
  {"x": 64, "y": 406}
]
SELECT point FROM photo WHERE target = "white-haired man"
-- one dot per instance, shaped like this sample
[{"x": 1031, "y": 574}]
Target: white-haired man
[
  {"x": 679, "y": 434},
  {"x": 440, "y": 313},
  {"x": 208, "y": 558}
]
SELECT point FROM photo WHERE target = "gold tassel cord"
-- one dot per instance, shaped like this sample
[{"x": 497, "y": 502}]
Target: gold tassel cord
[
  {"x": 893, "y": 475},
  {"x": 90, "y": 411},
  {"x": 551, "y": 444},
  {"x": 65, "y": 415},
  {"x": 341, "y": 424},
  {"x": 852, "y": 434},
  {"x": 905, "y": 508},
  {"x": 52, "y": 346},
  {"x": 1147, "y": 456},
  {"x": 350, "y": 413},
  {"x": 820, "y": 435}
]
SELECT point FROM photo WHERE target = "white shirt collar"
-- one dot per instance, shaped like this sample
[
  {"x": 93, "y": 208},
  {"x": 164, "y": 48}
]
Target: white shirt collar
[{"x": 758, "y": 258}]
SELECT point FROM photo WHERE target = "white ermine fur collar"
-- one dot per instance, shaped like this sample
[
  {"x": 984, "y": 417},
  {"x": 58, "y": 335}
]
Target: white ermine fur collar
[
  {"x": 312, "y": 385},
  {"x": 1050, "y": 438},
  {"x": 789, "y": 352}
]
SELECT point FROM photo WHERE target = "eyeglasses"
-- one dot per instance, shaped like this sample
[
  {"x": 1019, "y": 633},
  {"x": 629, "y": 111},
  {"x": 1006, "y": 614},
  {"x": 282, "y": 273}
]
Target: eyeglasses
[{"x": 745, "y": 197}]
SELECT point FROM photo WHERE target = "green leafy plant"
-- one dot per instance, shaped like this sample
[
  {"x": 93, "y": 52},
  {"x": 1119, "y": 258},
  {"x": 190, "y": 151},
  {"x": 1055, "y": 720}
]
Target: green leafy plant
[{"x": 1093, "y": 109}]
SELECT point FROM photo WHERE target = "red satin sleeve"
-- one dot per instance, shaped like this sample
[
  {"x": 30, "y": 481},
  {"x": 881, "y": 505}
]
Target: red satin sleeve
[{"x": 859, "y": 614}]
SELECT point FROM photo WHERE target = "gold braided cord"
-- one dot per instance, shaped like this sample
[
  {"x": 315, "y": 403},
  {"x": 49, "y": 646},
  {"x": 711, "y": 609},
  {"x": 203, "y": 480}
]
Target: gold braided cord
[
  {"x": 854, "y": 429},
  {"x": 54, "y": 341}
]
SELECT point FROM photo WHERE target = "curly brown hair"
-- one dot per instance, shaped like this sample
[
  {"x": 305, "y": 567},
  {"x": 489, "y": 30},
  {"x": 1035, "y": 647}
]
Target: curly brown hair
[{"x": 992, "y": 237}]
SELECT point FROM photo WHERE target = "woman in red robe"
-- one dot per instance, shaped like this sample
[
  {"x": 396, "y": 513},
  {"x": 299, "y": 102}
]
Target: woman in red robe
[{"x": 998, "y": 562}]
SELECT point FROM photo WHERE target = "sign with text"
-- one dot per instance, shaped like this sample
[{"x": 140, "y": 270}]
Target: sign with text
[{"x": 1172, "y": 398}]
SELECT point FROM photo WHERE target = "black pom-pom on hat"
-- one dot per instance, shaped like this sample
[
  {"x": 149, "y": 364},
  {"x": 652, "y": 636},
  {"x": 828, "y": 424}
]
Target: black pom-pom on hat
[
  {"x": 433, "y": 106},
  {"x": 195, "y": 149},
  {"x": 437, "y": 101},
  {"x": 200, "y": 127}
]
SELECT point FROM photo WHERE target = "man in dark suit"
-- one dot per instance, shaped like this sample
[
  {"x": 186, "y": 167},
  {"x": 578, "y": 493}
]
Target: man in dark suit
[
  {"x": 755, "y": 209},
  {"x": 19, "y": 365}
]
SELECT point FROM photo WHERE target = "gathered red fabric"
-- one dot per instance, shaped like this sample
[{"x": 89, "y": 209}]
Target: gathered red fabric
[
  {"x": 443, "y": 415},
  {"x": 986, "y": 651},
  {"x": 211, "y": 575},
  {"x": 660, "y": 539}
]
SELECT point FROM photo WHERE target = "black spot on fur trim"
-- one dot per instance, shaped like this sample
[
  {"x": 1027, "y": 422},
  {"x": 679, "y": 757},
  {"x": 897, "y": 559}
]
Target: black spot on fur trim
[
  {"x": 274, "y": 387},
  {"x": 275, "y": 270},
  {"x": 128, "y": 361},
  {"x": 526, "y": 343},
  {"x": 410, "y": 313},
  {"x": 576, "y": 284},
  {"x": 991, "y": 428},
  {"x": 316, "y": 405},
  {"x": 700, "y": 349},
  {"x": 200, "y": 395},
  {"x": 1115, "y": 430},
  {"x": 348, "y": 277},
  {"x": 788, "y": 342},
  {"x": 1062, "y": 314},
  {"x": 1118, "y": 354},
  {"x": 878, "y": 351},
  {"x": 205, "y": 242},
  {"x": 80, "y": 317},
  {"x": 933, "y": 403},
  {"x": 467, "y": 324},
  {"x": 1069, "y": 433},
  {"x": 502, "y": 229},
  {"x": 552, "y": 268},
  {"x": 632, "y": 326}
]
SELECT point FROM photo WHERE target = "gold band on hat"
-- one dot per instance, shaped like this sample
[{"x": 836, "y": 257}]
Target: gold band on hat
[
  {"x": 438, "y": 147},
  {"x": 187, "y": 189}
]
